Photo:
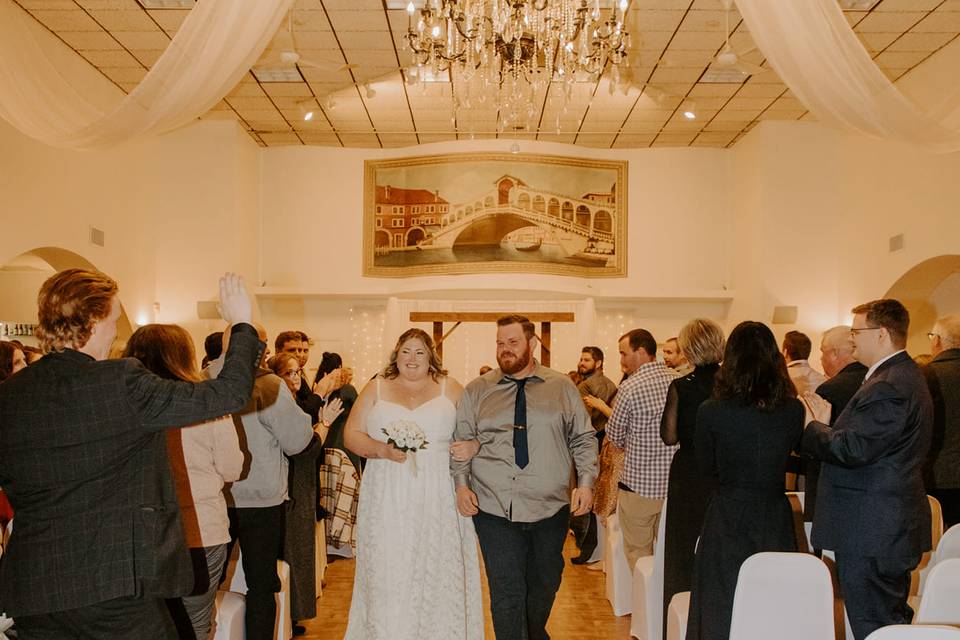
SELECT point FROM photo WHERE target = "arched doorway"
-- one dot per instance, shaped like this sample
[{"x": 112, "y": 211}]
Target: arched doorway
[
  {"x": 414, "y": 236},
  {"x": 25, "y": 273},
  {"x": 381, "y": 239},
  {"x": 503, "y": 191},
  {"x": 928, "y": 290}
]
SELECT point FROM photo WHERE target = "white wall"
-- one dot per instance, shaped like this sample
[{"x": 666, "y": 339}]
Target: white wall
[
  {"x": 176, "y": 211},
  {"x": 795, "y": 214}
]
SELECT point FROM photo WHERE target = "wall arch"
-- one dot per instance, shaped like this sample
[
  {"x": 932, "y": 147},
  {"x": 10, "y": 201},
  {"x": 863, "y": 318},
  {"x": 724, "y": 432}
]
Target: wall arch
[
  {"x": 915, "y": 289},
  {"x": 59, "y": 259}
]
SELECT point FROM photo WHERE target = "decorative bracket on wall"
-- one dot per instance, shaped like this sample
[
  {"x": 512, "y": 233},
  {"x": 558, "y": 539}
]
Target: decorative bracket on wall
[{"x": 438, "y": 318}]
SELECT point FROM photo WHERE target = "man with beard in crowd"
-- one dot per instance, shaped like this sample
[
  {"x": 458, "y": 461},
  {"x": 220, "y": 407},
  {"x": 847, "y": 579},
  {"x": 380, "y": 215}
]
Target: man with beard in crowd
[
  {"x": 597, "y": 391},
  {"x": 533, "y": 428}
]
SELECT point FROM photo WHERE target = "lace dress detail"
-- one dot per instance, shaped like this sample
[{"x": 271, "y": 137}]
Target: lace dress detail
[{"x": 418, "y": 572}]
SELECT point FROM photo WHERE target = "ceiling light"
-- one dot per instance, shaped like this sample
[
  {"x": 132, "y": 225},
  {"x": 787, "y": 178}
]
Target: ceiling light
[
  {"x": 330, "y": 103},
  {"x": 369, "y": 91},
  {"x": 515, "y": 148},
  {"x": 306, "y": 108},
  {"x": 513, "y": 50},
  {"x": 689, "y": 111}
]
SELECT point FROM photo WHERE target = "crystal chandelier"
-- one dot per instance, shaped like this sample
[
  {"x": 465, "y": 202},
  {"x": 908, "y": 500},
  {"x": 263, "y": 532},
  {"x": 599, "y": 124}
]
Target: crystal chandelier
[{"x": 515, "y": 48}]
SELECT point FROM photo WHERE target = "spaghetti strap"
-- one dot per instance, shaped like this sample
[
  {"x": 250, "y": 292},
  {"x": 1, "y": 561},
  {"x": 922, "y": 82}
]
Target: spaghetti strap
[{"x": 378, "y": 387}]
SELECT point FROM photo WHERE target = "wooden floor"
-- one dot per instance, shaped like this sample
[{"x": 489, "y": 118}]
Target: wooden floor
[{"x": 581, "y": 611}]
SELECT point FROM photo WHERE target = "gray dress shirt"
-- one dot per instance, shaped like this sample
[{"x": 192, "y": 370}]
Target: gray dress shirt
[{"x": 559, "y": 434}]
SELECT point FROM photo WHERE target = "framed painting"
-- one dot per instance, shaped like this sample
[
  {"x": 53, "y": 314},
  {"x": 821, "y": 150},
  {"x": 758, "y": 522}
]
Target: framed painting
[{"x": 491, "y": 212}]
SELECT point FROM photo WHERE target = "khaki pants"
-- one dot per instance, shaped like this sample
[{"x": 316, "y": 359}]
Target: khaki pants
[{"x": 639, "y": 519}]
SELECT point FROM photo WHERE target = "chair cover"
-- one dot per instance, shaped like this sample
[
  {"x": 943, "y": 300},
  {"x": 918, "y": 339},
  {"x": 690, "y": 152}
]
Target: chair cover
[
  {"x": 940, "y": 603},
  {"x": 230, "y": 615},
  {"x": 915, "y": 632},
  {"x": 773, "y": 588},
  {"x": 677, "y": 616}
]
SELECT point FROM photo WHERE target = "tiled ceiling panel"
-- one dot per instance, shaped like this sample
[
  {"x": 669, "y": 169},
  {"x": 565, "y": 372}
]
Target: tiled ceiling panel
[{"x": 353, "y": 56}]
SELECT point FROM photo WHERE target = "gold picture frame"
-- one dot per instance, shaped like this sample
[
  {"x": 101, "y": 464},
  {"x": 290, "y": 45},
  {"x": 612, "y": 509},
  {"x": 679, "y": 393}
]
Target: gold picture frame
[{"x": 494, "y": 213}]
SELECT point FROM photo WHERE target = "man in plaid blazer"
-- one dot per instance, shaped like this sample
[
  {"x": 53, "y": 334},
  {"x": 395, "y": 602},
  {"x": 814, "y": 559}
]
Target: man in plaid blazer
[{"x": 98, "y": 541}]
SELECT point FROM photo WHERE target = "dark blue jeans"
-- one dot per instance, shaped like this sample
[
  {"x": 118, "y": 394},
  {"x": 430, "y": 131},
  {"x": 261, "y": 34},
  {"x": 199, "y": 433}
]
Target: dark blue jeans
[
  {"x": 524, "y": 564},
  {"x": 259, "y": 530}
]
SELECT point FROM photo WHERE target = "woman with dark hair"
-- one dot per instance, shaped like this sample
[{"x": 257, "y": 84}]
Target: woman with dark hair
[
  {"x": 418, "y": 570},
  {"x": 11, "y": 359},
  {"x": 331, "y": 363},
  {"x": 202, "y": 458},
  {"x": 701, "y": 343},
  {"x": 744, "y": 434}
]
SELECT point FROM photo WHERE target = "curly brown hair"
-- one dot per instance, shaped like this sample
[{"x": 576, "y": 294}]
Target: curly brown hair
[
  {"x": 69, "y": 304},
  {"x": 436, "y": 366}
]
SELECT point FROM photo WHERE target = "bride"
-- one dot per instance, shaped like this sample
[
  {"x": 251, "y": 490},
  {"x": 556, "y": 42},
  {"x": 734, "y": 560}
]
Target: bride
[{"x": 418, "y": 573}]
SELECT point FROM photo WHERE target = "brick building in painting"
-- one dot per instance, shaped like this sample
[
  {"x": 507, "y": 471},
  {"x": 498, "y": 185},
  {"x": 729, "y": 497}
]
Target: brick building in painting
[{"x": 403, "y": 217}]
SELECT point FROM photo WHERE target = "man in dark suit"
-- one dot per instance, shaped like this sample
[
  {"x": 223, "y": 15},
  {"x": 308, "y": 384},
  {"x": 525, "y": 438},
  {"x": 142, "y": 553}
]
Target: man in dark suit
[
  {"x": 845, "y": 375},
  {"x": 872, "y": 509},
  {"x": 97, "y": 541},
  {"x": 943, "y": 378}
]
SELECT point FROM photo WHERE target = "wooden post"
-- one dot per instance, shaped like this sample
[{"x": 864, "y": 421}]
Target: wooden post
[
  {"x": 545, "y": 343},
  {"x": 438, "y": 337}
]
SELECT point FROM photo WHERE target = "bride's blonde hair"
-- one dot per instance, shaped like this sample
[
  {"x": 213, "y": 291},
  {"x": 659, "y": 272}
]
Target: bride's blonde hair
[{"x": 436, "y": 366}]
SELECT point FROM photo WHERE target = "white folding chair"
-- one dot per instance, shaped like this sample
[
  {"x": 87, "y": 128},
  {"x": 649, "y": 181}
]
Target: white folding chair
[
  {"x": 940, "y": 603},
  {"x": 237, "y": 583},
  {"x": 677, "y": 614},
  {"x": 618, "y": 581},
  {"x": 915, "y": 632},
  {"x": 647, "y": 589},
  {"x": 229, "y": 623},
  {"x": 947, "y": 547},
  {"x": 772, "y": 590}
]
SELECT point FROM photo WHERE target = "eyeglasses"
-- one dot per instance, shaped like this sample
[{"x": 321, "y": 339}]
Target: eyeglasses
[{"x": 854, "y": 332}]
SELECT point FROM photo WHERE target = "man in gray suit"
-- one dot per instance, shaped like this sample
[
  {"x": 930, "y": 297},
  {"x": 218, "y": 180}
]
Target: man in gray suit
[{"x": 943, "y": 378}]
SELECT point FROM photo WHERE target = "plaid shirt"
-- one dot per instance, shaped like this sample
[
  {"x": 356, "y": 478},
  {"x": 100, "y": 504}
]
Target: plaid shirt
[{"x": 635, "y": 427}]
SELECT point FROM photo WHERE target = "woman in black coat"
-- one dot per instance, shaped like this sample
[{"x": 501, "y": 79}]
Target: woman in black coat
[
  {"x": 744, "y": 435},
  {"x": 701, "y": 342}
]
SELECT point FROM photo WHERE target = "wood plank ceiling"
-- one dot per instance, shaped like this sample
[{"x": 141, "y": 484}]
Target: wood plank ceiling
[{"x": 357, "y": 87}]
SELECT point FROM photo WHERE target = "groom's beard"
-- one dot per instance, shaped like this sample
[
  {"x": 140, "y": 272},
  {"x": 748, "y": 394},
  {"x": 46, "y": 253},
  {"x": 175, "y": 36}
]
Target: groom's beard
[{"x": 511, "y": 362}]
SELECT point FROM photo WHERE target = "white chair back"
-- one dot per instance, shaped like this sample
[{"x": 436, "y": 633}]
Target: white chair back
[
  {"x": 915, "y": 632},
  {"x": 677, "y": 614},
  {"x": 949, "y": 545},
  {"x": 647, "y": 621},
  {"x": 619, "y": 577},
  {"x": 940, "y": 603},
  {"x": 772, "y": 588}
]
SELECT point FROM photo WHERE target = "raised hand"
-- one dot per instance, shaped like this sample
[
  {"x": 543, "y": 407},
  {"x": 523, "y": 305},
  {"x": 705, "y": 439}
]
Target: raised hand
[
  {"x": 234, "y": 305},
  {"x": 331, "y": 410}
]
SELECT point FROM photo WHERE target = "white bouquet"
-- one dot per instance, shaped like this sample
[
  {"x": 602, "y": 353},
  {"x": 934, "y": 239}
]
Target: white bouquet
[{"x": 408, "y": 437}]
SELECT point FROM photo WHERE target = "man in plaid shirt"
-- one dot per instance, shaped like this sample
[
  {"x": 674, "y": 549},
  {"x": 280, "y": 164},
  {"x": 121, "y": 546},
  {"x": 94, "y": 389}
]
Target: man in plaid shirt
[{"x": 635, "y": 427}]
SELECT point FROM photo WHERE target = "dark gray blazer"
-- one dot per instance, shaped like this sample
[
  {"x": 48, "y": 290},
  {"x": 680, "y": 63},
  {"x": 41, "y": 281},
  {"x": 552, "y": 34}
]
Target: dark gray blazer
[
  {"x": 871, "y": 501},
  {"x": 83, "y": 459},
  {"x": 943, "y": 378}
]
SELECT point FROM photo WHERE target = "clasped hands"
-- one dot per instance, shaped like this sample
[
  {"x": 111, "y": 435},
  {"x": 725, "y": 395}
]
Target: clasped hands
[{"x": 816, "y": 408}]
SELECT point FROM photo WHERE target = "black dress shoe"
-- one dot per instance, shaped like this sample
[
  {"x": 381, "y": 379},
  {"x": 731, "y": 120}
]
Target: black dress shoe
[
  {"x": 299, "y": 630},
  {"x": 583, "y": 558}
]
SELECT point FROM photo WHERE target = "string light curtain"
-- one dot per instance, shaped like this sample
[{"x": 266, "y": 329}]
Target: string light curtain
[
  {"x": 218, "y": 42},
  {"x": 815, "y": 51}
]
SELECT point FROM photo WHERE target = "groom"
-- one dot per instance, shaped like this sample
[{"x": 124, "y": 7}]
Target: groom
[{"x": 533, "y": 430}]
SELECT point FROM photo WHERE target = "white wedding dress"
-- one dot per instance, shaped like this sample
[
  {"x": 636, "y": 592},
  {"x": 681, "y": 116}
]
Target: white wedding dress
[{"x": 418, "y": 571}]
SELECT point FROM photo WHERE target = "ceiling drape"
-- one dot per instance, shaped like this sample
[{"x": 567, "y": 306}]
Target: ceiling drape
[
  {"x": 812, "y": 47},
  {"x": 218, "y": 42}
]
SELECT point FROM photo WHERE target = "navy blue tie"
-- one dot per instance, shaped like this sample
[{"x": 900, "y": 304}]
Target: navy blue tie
[{"x": 521, "y": 454}]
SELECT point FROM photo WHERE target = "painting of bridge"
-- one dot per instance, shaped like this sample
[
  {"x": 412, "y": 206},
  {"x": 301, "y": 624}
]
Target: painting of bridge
[{"x": 475, "y": 213}]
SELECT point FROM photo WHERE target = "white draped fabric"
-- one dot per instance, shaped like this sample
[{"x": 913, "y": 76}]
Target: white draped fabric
[
  {"x": 815, "y": 51},
  {"x": 218, "y": 42}
]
